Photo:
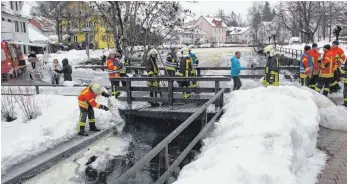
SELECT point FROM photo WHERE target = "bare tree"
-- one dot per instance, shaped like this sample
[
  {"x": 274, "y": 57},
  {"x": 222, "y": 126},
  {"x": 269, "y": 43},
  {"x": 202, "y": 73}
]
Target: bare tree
[{"x": 142, "y": 23}]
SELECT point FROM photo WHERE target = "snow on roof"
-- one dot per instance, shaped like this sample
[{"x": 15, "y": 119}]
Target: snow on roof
[
  {"x": 35, "y": 36},
  {"x": 45, "y": 24},
  {"x": 238, "y": 30},
  {"x": 212, "y": 21}
]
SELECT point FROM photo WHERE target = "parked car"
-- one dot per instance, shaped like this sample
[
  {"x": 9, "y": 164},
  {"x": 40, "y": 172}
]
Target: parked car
[{"x": 12, "y": 60}]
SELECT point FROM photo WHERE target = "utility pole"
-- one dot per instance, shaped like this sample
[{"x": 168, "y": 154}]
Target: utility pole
[{"x": 330, "y": 22}]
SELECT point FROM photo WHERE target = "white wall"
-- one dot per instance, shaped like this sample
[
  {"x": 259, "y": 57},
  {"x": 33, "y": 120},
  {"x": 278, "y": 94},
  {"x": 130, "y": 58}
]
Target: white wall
[{"x": 21, "y": 35}]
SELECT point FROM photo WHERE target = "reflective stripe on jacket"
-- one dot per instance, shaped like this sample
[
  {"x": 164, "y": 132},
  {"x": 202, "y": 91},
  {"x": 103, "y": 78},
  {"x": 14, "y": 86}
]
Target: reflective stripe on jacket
[
  {"x": 113, "y": 66},
  {"x": 328, "y": 65},
  {"x": 87, "y": 98},
  {"x": 306, "y": 63},
  {"x": 171, "y": 62},
  {"x": 339, "y": 56}
]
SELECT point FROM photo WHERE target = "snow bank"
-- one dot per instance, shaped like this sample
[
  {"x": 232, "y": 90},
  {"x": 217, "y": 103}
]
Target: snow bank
[
  {"x": 332, "y": 116},
  {"x": 69, "y": 83},
  {"x": 58, "y": 123},
  {"x": 75, "y": 57},
  {"x": 265, "y": 137}
]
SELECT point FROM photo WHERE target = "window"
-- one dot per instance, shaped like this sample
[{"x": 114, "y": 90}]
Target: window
[
  {"x": 9, "y": 20},
  {"x": 16, "y": 2},
  {"x": 24, "y": 28},
  {"x": 103, "y": 38},
  {"x": 91, "y": 38},
  {"x": 75, "y": 38},
  {"x": 11, "y": 3},
  {"x": 87, "y": 23},
  {"x": 3, "y": 56},
  {"x": 16, "y": 26},
  {"x": 2, "y": 18}
]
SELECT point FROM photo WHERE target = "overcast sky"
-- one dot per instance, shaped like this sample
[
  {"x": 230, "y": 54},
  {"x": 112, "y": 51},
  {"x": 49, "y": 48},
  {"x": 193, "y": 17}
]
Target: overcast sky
[{"x": 211, "y": 7}]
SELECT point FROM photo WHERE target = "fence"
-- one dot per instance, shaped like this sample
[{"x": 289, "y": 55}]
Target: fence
[{"x": 163, "y": 147}]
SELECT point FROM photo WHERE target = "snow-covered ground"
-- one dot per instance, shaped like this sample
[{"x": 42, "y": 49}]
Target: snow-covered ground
[
  {"x": 320, "y": 45},
  {"x": 58, "y": 123},
  {"x": 264, "y": 136}
]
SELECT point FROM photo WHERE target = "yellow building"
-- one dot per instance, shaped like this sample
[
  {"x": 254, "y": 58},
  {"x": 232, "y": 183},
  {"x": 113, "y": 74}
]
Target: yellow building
[{"x": 83, "y": 24}]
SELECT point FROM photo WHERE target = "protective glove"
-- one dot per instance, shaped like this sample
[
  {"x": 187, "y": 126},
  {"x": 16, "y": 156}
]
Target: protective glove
[
  {"x": 105, "y": 94},
  {"x": 103, "y": 107}
]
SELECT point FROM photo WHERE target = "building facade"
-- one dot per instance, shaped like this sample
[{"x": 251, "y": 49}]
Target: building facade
[
  {"x": 13, "y": 24},
  {"x": 240, "y": 35},
  {"x": 215, "y": 29}
]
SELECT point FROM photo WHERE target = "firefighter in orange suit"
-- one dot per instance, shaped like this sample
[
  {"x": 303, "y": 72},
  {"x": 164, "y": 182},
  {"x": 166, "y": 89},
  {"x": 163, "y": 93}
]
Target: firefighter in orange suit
[
  {"x": 86, "y": 102},
  {"x": 326, "y": 72},
  {"x": 306, "y": 66},
  {"x": 316, "y": 59},
  {"x": 340, "y": 58},
  {"x": 114, "y": 66}
]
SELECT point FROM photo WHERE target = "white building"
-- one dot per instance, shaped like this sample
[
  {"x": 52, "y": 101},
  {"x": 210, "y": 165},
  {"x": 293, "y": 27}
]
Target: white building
[
  {"x": 14, "y": 24},
  {"x": 242, "y": 35},
  {"x": 215, "y": 29},
  {"x": 275, "y": 27},
  {"x": 191, "y": 36}
]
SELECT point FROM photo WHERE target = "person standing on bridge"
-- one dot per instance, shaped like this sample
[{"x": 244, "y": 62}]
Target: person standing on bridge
[
  {"x": 124, "y": 62},
  {"x": 114, "y": 67},
  {"x": 235, "y": 70},
  {"x": 152, "y": 71},
  {"x": 171, "y": 62},
  {"x": 317, "y": 60},
  {"x": 195, "y": 63},
  {"x": 306, "y": 65},
  {"x": 86, "y": 102},
  {"x": 271, "y": 77},
  {"x": 185, "y": 70},
  {"x": 339, "y": 57},
  {"x": 327, "y": 71}
]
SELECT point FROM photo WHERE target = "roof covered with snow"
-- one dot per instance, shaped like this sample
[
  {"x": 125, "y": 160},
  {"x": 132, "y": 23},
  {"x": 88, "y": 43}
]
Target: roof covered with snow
[
  {"x": 35, "y": 36},
  {"x": 238, "y": 30},
  {"x": 214, "y": 21},
  {"x": 44, "y": 24}
]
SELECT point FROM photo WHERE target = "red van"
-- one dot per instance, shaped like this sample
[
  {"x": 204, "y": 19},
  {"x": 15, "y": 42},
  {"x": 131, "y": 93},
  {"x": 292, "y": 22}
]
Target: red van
[{"x": 12, "y": 60}]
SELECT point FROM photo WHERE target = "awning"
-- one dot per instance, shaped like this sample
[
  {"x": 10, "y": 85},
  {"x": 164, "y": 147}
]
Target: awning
[{"x": 29, "y": 44}]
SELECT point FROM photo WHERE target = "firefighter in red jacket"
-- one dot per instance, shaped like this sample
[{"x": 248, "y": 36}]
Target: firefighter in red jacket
[
  {"x": 114, "y": 66},
  {"x": 340, "y": 58},
  {"x": 306, "y": 65},
  {"x": 327, "y": 71},
  {"x": 316, "y": 59},
  {"x": 86, "y": 102}
]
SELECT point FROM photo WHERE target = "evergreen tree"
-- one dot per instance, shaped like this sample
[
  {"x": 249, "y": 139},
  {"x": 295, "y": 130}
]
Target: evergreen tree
[{"x": 266, "y": 12}]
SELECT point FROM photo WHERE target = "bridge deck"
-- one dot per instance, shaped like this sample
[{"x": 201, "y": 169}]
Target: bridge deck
[{"x": 176, "y": 111}]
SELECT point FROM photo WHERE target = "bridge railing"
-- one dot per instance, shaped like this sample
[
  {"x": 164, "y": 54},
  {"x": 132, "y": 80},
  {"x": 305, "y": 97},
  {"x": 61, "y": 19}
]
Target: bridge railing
[
  {"x": 128, "y": 88},
  {"x": 163, "y": 147}
]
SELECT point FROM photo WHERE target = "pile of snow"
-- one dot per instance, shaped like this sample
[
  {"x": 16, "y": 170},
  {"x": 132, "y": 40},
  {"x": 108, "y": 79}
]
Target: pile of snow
[
  {"x": 58, "y": 123},
  {"x": 332, "y": 116},
  {"x": 75, "y": 57},
  {"x": 294, "y": 40},
  {"x": 69, "y": 83},
  {"x": 265, "y": 135}
]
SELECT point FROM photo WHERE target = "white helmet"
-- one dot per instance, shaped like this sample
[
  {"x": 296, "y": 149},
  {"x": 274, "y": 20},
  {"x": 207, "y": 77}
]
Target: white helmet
[
  {"x": 269, "y": 50},
  {"x": 185, "y": 52},
  {"x": 96, "y": 88},
  {"x": 112, "y": 51},
  {"x": 153, "y": 52}
]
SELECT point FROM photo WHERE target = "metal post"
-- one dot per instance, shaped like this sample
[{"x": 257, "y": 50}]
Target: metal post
[
  {"x": 163, "y": 162},
  {"x": 198, "y": 71},
  {"x": 37, "y": 90},
  {"x": 221, "y": 102},
  {"x": 129, "y": 96},
  {"x": 170, "y": 92},
  {"x": 216, "y": 104},
  {"x": 296, "y": 53}
]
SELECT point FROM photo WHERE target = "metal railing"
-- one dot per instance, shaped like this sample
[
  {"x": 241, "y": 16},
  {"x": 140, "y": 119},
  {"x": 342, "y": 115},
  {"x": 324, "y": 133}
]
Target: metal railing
[{"x": 163, "y": 146}]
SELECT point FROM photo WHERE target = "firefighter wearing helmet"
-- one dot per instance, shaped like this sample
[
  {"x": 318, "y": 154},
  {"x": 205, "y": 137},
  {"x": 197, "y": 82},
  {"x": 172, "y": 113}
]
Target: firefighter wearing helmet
[
  {"x": 271, "y": 77},
  {"x": 171, "y": 62},
  {"x": 152, "y": 71},
  {"x": 326, "y": 74},
  {"x": 185, "y": 69},
  {"x": 114, "y": 66},
  {"x": 86, "y": 103},
  {"x": 339, "y": 58}
]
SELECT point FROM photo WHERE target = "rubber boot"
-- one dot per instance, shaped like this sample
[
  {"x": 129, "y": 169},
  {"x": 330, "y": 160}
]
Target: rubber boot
[
  {"x": 82, "y": 131},
  {"x": 93, "y": 127}
]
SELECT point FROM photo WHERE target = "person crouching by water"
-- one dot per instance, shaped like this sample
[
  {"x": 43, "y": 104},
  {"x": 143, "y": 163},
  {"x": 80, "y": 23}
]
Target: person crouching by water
[
  {"x": 235, "y": 70},
  {"x": 55, "y": 76}
]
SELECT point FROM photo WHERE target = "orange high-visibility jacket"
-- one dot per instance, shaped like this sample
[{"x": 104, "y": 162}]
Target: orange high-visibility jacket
[
  {"x": 315, "y": 58},
  {"x": 328, "y": 65},
  {"x": 339, "y": 56},
  {"x": 86, "y": 98},
  {"x": 113, "y": 66},
  {"x": 305, "y": 63}
]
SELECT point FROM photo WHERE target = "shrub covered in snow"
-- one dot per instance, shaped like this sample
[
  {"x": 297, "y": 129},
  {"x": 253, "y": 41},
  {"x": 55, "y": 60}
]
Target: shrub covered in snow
[
  {"x": 267, "y": 135},
  {"x": 28, "y": 103},
  {"x": 7, "y": 104}
]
